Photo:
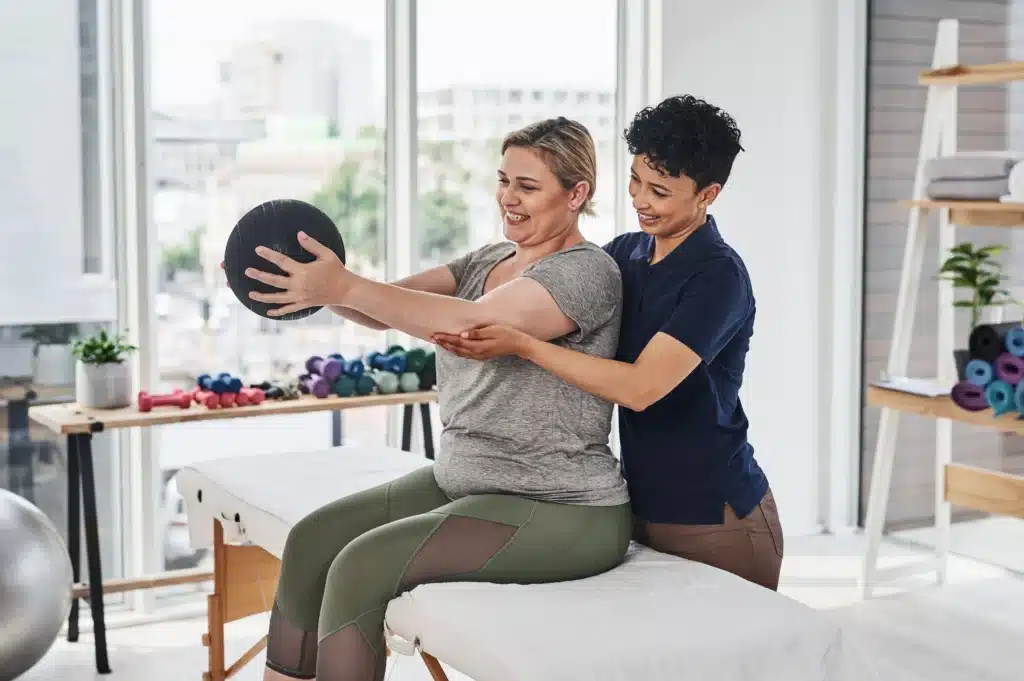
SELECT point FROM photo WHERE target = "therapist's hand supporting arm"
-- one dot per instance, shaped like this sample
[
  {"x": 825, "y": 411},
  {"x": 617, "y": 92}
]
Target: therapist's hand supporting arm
[{"x": 706, "y": 318}]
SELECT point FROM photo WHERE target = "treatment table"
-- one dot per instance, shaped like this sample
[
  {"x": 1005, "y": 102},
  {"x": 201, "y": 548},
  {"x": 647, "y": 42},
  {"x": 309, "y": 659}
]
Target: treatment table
[{"x": 655, "y": 617}]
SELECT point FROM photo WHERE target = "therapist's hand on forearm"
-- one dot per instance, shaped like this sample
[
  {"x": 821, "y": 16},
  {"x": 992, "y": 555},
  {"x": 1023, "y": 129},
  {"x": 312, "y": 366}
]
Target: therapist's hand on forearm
[{"x": 486, "y": 342}]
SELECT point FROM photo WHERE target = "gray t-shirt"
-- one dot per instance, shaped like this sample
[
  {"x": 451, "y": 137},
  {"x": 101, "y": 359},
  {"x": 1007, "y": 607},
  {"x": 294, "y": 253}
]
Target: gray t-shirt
[{"x": 511, "y": 427}]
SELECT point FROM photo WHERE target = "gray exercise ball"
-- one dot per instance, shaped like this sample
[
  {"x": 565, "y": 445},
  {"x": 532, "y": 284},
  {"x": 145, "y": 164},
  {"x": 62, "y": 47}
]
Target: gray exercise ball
[{"x": 35, "y": 585}]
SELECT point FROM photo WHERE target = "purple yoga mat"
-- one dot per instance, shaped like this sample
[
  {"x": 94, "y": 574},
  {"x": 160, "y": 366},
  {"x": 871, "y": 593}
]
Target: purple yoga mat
[
  {"x": 1009, "y": 368},
  {"x": 968, "y": 396}
]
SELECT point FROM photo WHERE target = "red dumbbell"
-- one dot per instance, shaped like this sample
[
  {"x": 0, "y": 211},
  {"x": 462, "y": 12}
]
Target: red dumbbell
[
  {"x": 227, "y": 400},
  {"x": 252, "y": 396},
  {"x": 206, "y": 398},
  {"x": 175, "y": 399}
]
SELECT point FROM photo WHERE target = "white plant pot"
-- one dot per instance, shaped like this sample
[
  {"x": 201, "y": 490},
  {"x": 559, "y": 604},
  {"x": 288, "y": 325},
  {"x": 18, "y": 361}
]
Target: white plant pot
[
  {"x": 55, "y": 365},
  {"x": 103, "y": 386}
]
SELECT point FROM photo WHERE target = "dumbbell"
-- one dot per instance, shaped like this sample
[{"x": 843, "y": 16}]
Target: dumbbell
[
  {"x": 315, "y": 384},
  {"x": 393, "y": 363},
  {"x": 233, "y": 384},
  {"x": 354, "y": 368},
  {"x": 345, "y": 386},
  {"x": 415, "y": 359},
  {"x": 175, "y": 399},
  {"x": 213, "y": 385},
  {"x": 247, "y": 396},
  {"x": 206, "y": 398},
  {"x": 329, "y": 368},
  {"x": 228, "y": 400},
  {"x": 409, "y": 382},
  {"x": 386, "y": 381},
  {"x": 365, "y": 384}
]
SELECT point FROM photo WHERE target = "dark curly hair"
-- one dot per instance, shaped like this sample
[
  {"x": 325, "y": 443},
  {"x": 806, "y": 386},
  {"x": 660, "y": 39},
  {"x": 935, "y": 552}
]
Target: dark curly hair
[{"x": 686, "y": 135}]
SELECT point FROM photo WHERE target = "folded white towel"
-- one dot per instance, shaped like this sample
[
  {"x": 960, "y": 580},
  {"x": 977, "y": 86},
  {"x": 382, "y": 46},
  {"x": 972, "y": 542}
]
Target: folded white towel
[{"x": 972, "y": 166}]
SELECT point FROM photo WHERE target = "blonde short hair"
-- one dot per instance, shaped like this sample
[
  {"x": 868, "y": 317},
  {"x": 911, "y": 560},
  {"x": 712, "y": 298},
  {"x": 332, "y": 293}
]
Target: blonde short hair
[{"x": 566, "y": 147}]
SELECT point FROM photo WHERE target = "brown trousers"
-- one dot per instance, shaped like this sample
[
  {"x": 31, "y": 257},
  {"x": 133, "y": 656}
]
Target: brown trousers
[{"x": 749, "y": 547}]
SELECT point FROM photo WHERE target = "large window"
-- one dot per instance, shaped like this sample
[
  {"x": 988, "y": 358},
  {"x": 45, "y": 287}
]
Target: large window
[
  {"x": 253, "y": 101},
  {"x": 501, "y": 74}
]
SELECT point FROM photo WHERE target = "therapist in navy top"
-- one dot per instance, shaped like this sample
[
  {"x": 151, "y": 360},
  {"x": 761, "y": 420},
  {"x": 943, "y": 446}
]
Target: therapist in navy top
[{"x": 688, "y": 317}]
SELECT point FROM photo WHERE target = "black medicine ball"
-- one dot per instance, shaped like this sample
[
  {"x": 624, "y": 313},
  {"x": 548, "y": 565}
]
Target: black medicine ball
[{"x": 276, "y": 225}]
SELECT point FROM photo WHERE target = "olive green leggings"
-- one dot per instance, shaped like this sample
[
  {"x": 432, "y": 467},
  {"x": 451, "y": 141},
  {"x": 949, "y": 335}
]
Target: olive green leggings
[{"x": 345, "y": 562}]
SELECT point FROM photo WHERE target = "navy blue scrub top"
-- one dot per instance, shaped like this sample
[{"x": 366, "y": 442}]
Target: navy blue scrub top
[{"x": 687, "y": 455}]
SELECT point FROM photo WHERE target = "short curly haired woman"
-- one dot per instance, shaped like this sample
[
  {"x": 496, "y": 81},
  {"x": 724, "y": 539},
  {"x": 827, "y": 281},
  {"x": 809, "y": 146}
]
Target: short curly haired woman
[{"x": 688, "y": 315}]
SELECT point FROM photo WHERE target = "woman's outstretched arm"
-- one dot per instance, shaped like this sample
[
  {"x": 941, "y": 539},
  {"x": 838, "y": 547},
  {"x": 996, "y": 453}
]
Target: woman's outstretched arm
[{"x": 437, "y": 280}]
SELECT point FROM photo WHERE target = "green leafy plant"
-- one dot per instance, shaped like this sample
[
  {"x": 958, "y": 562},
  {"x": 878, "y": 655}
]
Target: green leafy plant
[
  {"x": 976, "y": 270},
  {"x": 102, "y": 349}
]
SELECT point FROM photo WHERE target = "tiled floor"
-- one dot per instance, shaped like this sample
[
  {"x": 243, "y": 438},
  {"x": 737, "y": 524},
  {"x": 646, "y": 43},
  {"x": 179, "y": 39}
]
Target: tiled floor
[{"x": 972, "y": 629}]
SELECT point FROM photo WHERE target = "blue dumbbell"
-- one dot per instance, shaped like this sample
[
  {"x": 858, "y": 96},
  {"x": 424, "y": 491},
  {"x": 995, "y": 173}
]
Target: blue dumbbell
[
  {"x": 382, "y": 362},
  {"x": 213, "y": 385},
  {"x": 354, "y": 368}
]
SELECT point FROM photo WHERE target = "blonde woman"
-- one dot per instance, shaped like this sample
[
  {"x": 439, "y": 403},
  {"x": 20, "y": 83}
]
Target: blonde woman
[{"x": 525, "y": 487}]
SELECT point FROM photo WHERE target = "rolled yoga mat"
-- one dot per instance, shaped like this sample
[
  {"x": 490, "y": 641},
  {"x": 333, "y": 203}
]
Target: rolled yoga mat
[
  {"x": 969, "y": 396},
  {"x": 1009, "y": 368},
  {"x": 988, "y": 341},
  {"x": 979, "y": 372},
  {"x": 1015, "y": 341},
  {"x": 1018, "y": 398},
  {"x": 999, "y": 396}
]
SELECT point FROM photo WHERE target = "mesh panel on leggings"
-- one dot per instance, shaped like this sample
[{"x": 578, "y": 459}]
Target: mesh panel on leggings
[
  {"x": 459, "y": 546},
  {"x": 290, "y": 650}
]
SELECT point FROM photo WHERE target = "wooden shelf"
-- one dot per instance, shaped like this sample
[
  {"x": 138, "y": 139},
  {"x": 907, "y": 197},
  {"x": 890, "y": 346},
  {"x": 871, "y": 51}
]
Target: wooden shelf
[
  {"x": 943, "y": 408},
  {"x": 982, "y": 490},
  {"x": 974, "y": 74},
  {"x": 69, "y": 418},
  {"x": 976, "y": 213}
]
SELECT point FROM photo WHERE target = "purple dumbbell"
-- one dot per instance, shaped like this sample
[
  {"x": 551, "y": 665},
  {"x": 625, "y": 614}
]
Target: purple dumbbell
[
  {"x": 328, "y": 368},
  {"x": 317, "y": 385}
]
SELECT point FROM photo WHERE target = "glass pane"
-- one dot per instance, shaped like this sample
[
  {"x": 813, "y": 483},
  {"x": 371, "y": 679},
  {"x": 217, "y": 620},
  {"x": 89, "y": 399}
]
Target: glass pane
[
  {"x": 46, "y": 247},
  {"x": 258, "y": 101},
  {"x": 467, "y": 105}
]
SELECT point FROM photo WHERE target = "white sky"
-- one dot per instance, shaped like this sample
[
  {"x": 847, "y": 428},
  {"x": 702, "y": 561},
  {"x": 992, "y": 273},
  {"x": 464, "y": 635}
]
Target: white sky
[{"x": 521, "y": 42}]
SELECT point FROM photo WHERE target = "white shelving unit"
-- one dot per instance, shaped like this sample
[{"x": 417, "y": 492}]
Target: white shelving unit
[{"x": 963, "y": 485}]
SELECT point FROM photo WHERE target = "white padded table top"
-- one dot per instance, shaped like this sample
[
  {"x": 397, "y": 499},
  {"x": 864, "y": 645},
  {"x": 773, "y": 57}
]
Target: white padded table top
[
  {"x": 269, "y": 493},
  {"x": 656, "y": 617}
]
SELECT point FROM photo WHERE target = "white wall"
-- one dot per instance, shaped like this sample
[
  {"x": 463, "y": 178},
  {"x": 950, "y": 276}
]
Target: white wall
[
  {"x": 772, "y": 65},
  {"x": 41, "y": 232}
]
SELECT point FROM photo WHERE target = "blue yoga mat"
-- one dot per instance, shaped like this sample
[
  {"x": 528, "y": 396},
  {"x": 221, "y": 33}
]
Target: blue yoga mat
[{"x": 999, "y": 395}]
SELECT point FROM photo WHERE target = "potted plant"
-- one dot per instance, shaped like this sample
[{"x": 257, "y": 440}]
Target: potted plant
[
  {"x": 54, "y": 359},
  {"x": 103, "y": 379},
  {"x": 976, "y": 270}
]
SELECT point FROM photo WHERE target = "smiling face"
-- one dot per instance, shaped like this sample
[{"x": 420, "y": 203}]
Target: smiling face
[
  {"x": 534, "y": 204},
  {"x": 667, "y": 206}
]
